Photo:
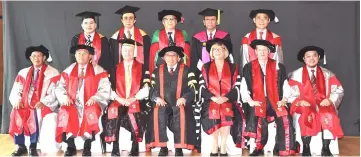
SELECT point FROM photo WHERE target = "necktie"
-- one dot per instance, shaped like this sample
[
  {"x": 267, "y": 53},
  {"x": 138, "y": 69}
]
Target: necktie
[
  {"x": 170, "y": 39},
  {"x": 128, "y": 81},
  {"x": 260, "y": 35},
  {"x": 313, "y": 81},
  {"x": 81, "y": 78},
  {"x": 35, "y": 79},
  {"x": 171, "y": 71},
  {"x": 88, "y": 41},
  {"x": 129, "y": 35},
  {"x": 210, "y": 36}
]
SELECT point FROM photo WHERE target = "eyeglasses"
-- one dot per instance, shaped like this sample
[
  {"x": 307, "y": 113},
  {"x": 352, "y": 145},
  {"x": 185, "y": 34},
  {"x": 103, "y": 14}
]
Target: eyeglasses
[
  {"x": 166, "y": 55},
  {"x": 82, "y": 53},
  {"x": 36, "y": 56},
  {"x": 218, "y": 49}
]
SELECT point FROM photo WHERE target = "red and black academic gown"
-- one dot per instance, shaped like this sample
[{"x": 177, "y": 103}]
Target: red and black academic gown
[
  {"x": 213, "y": 115},
  {"x": 248, "y": 53},
  {"x": 200, "y": 55},
  {"x": 316, "y": 117},
  {"x": 96, "y": 86},
  {"x": 27, "y": 120},
  {"x": 160, "y": 41},
  {"x": 102, "y": 55},
  {"x": 132, "y": 118},
  {"x": 142, "y": 52},
  {"x": 260, "y": 116},
  {"x": 179, "y": 119}
]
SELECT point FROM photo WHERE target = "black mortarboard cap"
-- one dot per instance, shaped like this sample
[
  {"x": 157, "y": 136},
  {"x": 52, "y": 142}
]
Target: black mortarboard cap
[
  {"x": 127, "y": 9},
  {"x": 129, "y": 41},
  {"x": 40, "y": 48},
  {"x": 209, "y": 12},
  {"x": 89, "y": 14},
  {"x": 302, "y": 52},
  {"x": 77, "y": 47},
  {"x": 163, "y": 13},
  {"x": 226, "y": 43},
  {"x": 176, "y": 49},
  {"x": 270, "y": 14},
  {"x": 266, "y": 43}
]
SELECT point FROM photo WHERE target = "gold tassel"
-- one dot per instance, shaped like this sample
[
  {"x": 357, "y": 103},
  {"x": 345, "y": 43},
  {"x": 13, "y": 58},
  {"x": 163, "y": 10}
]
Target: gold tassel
[{"x": 219, "y": 17}]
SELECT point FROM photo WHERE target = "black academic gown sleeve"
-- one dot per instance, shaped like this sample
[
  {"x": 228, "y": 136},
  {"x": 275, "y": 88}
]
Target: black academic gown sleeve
[
  {"x": 282, "y": 76},
  {"x": 196, "y": 48},
  {"x": 74, "y": 41},
  {"x": 154, "y": 91},
  {"x": 247, "y": 74},
  {"x": 146, "y": 46},
  {"x": 188, "y": 92},
  {"x": 203, "y": 88},
  {"x": 113, "y": 50},
  {"x": 105, "y": 59}
]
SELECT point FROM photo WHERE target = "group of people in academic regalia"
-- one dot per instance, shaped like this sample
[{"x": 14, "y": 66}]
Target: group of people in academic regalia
[{"x": 151, "y": 85}]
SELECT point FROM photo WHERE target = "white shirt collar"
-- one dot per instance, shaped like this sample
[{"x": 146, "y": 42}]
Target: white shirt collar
[
  {"x": 213, "y": 33},
  {"x": 126, "y": 64},
  {"x": 309, "y": 71},
  {"x": 91, "y": 36},
  {"x": 174, "y": 67},
  {"x": 79, "y": 68},
  {"x": 173, "y": 32},
  {"x": 263, "y": 35},
  {"x": 131, "y": 32},
  {"x": 260, "y": 63},
  {"x": 263, "y": 66},
  {"x": 35, "y": 68}
]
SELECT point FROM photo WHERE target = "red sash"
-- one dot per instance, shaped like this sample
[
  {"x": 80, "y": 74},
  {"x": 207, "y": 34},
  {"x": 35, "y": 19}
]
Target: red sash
[
  {"x": 23, "y": 119},
  {"x": 37, "y": 90},
  {"x": 96, "y": 44},
  {"x": 90, "y": 85},
  {"x": 181, "y": 107},
  {"x": 310, "y": 120},
  {"x": 67, "y": 117},
  {"x": 253, "y": 35},
  {"x": 137, "y": 37},
  {"x": 163, "y": 42},
  {"x": 220, "y": 89},
  {"x": 271, "y": 86},
  {"x": 121, "y": 88},
  {"x": 163, "y": 39},
  {"x": 309, "y": 96}
]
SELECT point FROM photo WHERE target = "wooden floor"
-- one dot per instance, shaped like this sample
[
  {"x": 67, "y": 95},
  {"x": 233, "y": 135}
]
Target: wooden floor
[{"x": 349, "y": 146}]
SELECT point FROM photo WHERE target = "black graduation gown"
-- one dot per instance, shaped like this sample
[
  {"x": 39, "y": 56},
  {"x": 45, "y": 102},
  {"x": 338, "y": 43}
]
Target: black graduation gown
[
  {"x": 112, "y": 126},
  {"x": 170, "y": 115},
  {"x": 281, "y": 122},
  {"x": 210, "y": 125},
  {"x": 196, "y": 49},
  {"x": 105, "y": 57},
  {"x": 114, "y": 50}
]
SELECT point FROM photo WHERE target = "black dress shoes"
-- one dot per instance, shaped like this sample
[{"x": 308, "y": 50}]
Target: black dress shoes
[{"x": 22, "y": 150}]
